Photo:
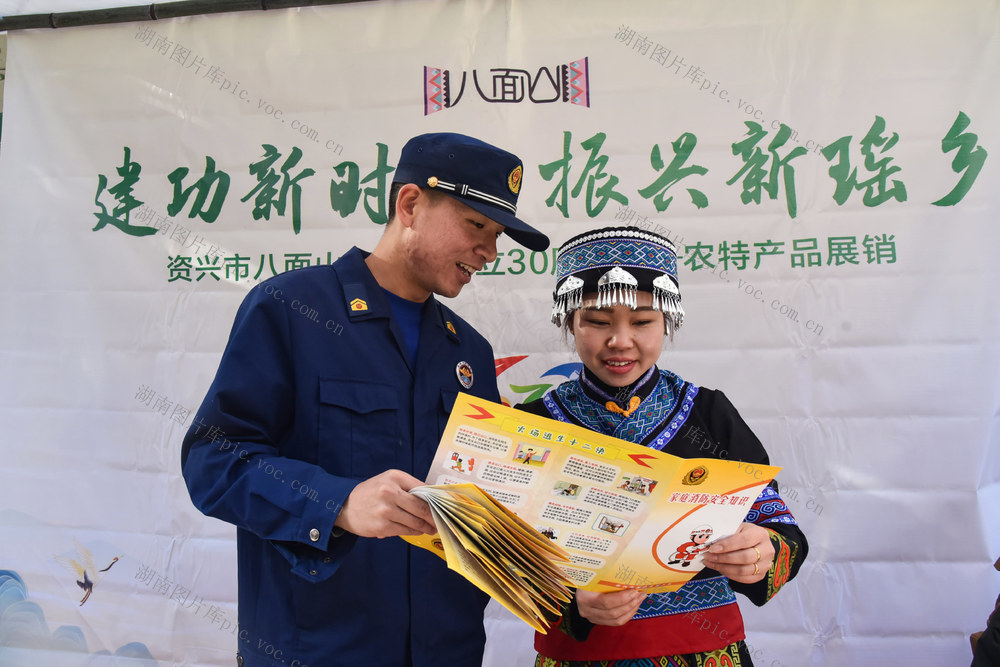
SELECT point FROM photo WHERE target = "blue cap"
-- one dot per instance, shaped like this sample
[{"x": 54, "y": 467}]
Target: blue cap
[{"x": 483, "y": 177}]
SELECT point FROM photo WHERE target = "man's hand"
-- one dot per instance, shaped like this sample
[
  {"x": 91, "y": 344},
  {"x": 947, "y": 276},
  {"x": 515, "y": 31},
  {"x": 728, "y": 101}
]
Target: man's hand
[
  {"x": 382, "y": 507},
  {"x": 613, "y": 608}
]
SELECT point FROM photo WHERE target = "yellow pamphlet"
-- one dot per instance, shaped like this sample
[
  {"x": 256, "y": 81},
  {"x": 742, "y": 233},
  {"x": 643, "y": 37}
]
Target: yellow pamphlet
[{"x": 526, "y": 505}]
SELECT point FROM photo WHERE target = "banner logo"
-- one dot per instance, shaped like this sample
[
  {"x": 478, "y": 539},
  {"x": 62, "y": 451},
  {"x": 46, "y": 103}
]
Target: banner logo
[{"x": 570, "y": 83}]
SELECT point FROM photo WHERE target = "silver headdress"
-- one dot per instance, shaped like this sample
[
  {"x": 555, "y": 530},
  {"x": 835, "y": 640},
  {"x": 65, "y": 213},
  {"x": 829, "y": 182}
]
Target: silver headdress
[
  {"x": 617, "y": 263},
  {"x": 617, "y": 287}
]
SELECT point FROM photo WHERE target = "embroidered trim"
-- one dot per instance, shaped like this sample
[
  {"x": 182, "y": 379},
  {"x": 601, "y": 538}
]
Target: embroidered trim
[
  {"x": 659, "y": 417},
  {"x": 695, "y": 595},
  {"x": 770, "y": 508},
  {"x": 664, "y": 661},
  {"x": 642, "y": 252},
  {"x": 729, "y": 655},
  {"x": 553, "y": 407},
  {"x": 781, "y": 570},
  {"x": 679, "y": 419},
  {"x": 639, "y": 384}
]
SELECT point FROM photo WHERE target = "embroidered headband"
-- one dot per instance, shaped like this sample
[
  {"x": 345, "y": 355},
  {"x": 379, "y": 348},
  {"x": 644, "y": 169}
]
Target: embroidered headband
[{"x": 617, "y": 263}]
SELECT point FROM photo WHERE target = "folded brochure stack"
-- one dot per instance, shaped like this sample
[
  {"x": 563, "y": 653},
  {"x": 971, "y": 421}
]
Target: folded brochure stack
[
  {"x": 498, "y": 552},
  {"x": 592, "y": 512}
]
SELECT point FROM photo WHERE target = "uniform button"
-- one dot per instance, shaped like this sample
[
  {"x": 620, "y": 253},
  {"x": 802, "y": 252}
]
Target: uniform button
[
  {"x": 327, "y": 559},
  {"x": 314, "y": 535},
  {"x": 312, "y": 572}
]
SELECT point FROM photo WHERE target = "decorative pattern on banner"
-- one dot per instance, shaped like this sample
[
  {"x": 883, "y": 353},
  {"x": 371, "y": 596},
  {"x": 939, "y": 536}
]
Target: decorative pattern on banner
[{"x": 31, "y": 629}]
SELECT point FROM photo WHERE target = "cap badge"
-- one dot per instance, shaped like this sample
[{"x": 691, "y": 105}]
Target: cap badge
[
  {"x": 514, "y": 179},
  {"x": 464, "y": 373}
]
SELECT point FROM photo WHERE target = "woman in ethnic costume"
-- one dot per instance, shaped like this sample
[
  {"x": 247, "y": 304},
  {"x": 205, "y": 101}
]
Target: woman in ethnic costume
[{"x": 617, "y": 290}]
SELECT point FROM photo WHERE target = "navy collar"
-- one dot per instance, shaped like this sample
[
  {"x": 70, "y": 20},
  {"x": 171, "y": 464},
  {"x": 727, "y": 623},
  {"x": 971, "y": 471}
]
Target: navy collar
[{"x": 365, "y": 299}]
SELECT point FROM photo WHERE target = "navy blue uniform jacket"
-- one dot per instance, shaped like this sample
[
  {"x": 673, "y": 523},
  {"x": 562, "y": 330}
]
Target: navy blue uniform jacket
[{"x": 314, "y": 393}]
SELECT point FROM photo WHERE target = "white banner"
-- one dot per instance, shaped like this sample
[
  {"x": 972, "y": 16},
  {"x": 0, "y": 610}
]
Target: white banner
[{"x": 828, "y": 170}]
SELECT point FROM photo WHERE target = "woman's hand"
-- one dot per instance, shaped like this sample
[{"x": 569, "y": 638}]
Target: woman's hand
[
  {"x": 744, "y": 557},
  {"x": 612, "y": 608}
]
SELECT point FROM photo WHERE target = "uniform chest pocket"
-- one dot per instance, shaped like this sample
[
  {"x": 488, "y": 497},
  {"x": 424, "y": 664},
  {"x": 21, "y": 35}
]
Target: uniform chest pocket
[
  {"x": 359, "y": 429},
  {"x": 447, "y": 403}
]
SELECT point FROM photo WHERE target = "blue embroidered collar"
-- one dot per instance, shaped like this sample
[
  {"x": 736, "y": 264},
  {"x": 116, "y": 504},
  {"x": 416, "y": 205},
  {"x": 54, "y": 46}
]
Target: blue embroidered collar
[
  {"x": 665, "y": 406},
  {"x": 602, "y": 393}
]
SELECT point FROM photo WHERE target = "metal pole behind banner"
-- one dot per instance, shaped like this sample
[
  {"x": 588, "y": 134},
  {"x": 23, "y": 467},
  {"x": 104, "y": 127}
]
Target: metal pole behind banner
[{"x": 152, "y": 12}]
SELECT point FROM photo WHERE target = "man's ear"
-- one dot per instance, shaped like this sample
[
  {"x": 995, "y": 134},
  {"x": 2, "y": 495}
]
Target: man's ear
[{"x": 406, "y": 202}]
